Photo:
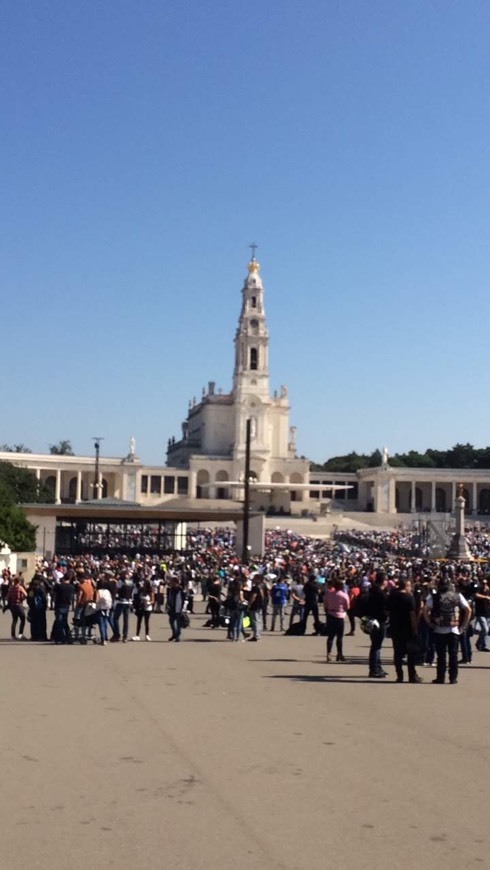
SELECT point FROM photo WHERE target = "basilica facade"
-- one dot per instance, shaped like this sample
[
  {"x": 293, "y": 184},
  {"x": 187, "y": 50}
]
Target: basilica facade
[{"x": 213, "y": 442}]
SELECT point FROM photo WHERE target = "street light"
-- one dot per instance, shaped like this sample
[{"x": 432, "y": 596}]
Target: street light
[
  {"x": 246, "y": 501},
  {"x": 97, "y": 439}
]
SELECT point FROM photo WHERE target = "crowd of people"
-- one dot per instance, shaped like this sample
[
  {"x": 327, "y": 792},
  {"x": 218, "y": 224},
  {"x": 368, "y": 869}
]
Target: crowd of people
[{"x": 371, "y": 580}]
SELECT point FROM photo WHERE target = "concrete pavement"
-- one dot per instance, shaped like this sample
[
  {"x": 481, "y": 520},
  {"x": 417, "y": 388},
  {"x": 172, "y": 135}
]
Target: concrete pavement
[{"x": 209, "y": 753}]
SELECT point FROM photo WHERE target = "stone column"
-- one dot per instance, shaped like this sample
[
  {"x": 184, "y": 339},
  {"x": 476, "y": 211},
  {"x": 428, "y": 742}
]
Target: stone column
[
  {"x": 38, "y": 473},
  {"x": 78, "y": 496},
  {"x": 458, "y": 548},
  {"x": 433, "y": 497},
  {"x": 414, "y": 498},
  {"x": 57, "y": 492},
  {"x": 453, "y": 495},
  {"x": 474, "y": 499}
]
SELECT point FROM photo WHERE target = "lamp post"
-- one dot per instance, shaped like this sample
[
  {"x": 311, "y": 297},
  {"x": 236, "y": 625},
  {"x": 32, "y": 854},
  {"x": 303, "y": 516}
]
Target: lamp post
[
  {"x": 246, "y": 500},
  {"x": 97, "y": 439}
]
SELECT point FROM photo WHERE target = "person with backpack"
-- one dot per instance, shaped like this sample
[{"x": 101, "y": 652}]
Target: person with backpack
[{"x": 448, "y": 613}]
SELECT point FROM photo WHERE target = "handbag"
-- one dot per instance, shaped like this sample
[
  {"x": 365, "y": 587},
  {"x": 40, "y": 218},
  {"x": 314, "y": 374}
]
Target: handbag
[{"x": 184, "y": 620}]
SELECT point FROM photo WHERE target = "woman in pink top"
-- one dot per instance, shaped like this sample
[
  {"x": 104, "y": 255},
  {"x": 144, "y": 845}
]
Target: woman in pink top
[{"x": 336, "y": 603}]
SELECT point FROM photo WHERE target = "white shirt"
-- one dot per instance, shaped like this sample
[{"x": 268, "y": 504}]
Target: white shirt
[{"x": 104, "y": 599}]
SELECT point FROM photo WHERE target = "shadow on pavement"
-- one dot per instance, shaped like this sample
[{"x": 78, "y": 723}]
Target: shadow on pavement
[{"x": 308, "y": 678}]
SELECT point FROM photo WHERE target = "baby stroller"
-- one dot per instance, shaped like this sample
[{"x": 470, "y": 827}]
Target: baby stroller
[{"x": 84, "y": 623}]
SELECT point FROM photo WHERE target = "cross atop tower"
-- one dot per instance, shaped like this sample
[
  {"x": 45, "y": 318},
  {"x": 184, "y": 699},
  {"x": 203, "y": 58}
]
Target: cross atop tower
[{"x": 254, "y": 247}]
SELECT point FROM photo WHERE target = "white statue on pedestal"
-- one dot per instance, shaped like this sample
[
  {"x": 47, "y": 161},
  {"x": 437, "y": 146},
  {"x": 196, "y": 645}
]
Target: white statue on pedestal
[
  {"x": 384, "y": 459},
  {"x": 132, "y": 446}
]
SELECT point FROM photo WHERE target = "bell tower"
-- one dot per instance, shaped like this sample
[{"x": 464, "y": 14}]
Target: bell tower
[
  {"x": 251, "y": 373},
  {"x": 251, "y": 396}
]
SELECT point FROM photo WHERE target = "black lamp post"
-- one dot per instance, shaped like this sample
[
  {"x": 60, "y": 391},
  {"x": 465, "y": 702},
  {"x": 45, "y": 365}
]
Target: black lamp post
[
  {"x": 246, "y": 500},
  {"x": 97, "y": 439}
]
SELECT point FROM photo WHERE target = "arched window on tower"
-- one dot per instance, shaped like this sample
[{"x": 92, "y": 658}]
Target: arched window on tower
[
  {"x": 254, "y": 301},
  {"x": 253, "y": 359}
]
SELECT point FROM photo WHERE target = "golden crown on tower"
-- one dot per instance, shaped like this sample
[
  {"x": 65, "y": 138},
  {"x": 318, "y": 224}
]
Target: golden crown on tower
[{"x": 253, "y": 266}]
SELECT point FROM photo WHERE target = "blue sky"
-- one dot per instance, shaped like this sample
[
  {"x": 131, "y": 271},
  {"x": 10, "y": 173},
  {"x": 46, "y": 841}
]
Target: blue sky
[{"x": 146, "y": 144}]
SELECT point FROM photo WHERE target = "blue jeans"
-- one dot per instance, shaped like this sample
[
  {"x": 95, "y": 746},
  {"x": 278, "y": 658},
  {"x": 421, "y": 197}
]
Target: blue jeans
[
  {"x": 482, "y": 623},
  {"x": 465, "y": 643},
  {"x": 256, "y": 622},
  {"x": 121, "y": 609},
  {"x": 447, "y": 645},
  {"x": 174, "y": 620},
  {"x": 103, "y": 623},
  {"x": 335, "y": 629},
  {"x": 61, "y": 629},
  {"x": 377, "y": 638},
  {"x": 236, "y": 619},
  {"x": 277, "y": 611}
]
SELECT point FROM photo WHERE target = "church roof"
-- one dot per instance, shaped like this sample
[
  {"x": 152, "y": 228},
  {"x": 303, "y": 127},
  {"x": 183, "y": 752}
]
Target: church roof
[{"x": 110, "y": 501}]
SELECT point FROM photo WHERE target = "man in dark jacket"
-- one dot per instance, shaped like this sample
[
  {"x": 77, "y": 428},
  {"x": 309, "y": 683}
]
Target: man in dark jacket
[
  {"x": 311, "y": 602},
  {"x": 403, "y": 623},
  {"x": 175, "y": 604},
  {"x": 375, "y": 609}
]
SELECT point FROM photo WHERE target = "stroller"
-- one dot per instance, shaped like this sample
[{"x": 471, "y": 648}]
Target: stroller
[{"x": 84, "y": 624}]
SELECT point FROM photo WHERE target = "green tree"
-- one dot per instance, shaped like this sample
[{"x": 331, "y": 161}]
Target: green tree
[
  {"x": 351, "y": 462},
  {"x": 375, "y": 460},
  {"x": 20, "y": 486},
  {"x": 414, "y": 459},
  {"x": 15, "y": 530},
  {"x": 14, "y": 448},
  {"x": 461, "y": 456},
  {"x": 64, "y": 448}
]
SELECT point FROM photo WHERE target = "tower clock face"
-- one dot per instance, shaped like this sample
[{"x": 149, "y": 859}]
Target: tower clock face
[{"x": 254, "y": 324}]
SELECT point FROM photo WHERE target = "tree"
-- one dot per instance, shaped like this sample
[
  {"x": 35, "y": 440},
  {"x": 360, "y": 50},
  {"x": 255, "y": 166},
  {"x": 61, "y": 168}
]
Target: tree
[
  {"x": 414, "y": 459},
  {"x": 64, "y": 448},
  {"x": 20, "y": 486},
  {"x": 461, "y": 456},
  {"x": 15, "y": 530},
  {"x": 351, "y": 462},
  {"x": 14, "y": 448},
  {"x": 375, "y": 460}
]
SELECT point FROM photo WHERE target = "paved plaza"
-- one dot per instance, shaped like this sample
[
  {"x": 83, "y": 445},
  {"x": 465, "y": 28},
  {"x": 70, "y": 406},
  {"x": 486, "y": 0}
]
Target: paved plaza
[{"x": 252, "y": 755}]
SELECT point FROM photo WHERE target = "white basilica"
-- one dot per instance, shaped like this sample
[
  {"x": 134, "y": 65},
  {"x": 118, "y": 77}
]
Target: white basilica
[{"x": 212, "y": 446}]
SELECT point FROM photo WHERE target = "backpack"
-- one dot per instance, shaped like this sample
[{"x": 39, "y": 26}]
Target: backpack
[
  {"x": 446, "y": 609},
  {"x": 38, "y": 601}
]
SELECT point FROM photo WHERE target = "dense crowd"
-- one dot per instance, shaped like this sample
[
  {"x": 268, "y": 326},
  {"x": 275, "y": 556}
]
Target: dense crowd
[{"x": 372, "y": 580}]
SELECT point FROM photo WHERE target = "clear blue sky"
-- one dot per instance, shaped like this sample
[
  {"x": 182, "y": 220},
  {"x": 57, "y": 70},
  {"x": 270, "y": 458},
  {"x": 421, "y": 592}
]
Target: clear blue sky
[{"x": 146, "y": 144}]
